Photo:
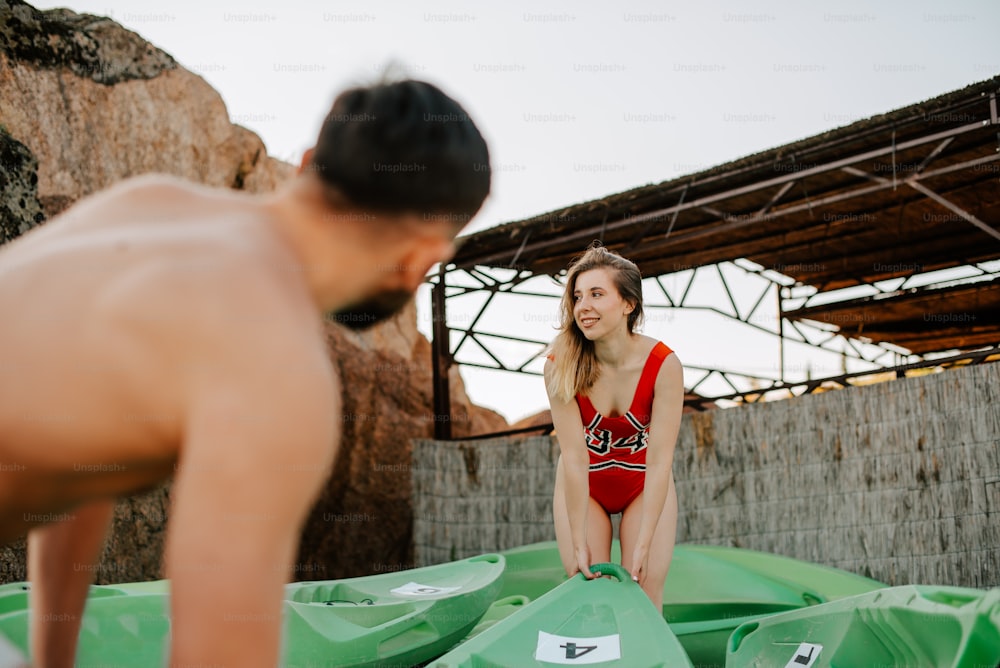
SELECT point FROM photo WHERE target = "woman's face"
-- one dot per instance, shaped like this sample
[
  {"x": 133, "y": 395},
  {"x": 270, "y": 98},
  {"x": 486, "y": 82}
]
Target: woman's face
[{"x": 598, "y": 307}]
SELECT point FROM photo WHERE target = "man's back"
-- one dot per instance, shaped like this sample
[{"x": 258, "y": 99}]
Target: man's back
[
  {"x": 112, "y": 312},
  {"x": 166, "y": 330}
]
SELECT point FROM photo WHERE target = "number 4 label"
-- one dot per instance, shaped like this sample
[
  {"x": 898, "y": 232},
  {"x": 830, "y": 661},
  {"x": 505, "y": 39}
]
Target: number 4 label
[
  {"x": 805, "y": 656},
  {"x": 563, "y": 649}
]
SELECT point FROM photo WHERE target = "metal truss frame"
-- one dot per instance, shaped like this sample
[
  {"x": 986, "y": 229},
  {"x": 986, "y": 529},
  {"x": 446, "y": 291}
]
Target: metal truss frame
[
  {"x": 879, "y": 356},
  {"x": 987, "y": 354},
  {"x": 745, "y": 387}
]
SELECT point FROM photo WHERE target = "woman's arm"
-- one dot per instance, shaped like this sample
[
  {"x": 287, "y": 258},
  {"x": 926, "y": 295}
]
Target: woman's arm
[
  {"x": 668, "y": 401},
  {"x": 576, "y": 471}
]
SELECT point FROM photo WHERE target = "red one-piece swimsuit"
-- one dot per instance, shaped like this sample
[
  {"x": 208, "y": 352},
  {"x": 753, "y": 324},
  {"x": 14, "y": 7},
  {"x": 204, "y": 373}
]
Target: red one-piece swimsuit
[{"x": 617, "y": 445}]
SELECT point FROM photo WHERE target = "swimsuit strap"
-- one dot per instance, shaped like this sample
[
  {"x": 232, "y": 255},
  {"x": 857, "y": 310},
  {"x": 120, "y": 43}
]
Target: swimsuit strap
[
  {"x": 643, "y": 390},
  {"x": 587, "y": 410},
  {"x": 647, "y": 381}
]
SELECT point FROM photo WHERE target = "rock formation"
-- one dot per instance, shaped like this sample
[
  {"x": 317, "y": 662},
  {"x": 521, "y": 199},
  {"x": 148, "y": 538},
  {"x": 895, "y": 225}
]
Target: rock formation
[
  {"x": 363, "y": 522},
  {"x": 20, "y": 209},
  {"x": 542, "y": 420},
  {"x": 95, "y": 103},
  {"x": 84, "y": 103}
]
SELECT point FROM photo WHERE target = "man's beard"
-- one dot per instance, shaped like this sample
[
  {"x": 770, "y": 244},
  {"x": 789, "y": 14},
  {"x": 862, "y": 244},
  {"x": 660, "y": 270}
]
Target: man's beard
[{"x": 368, "y": 312}]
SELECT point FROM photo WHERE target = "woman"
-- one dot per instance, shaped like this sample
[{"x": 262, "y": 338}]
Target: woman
[{"x": 616, "y": 398}]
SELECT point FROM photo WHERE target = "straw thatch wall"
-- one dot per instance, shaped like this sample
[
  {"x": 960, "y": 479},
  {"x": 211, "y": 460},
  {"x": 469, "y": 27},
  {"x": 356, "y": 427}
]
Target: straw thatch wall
[
  {"x": 898, "y": 481},
  {"x": 471, "y": 497}
]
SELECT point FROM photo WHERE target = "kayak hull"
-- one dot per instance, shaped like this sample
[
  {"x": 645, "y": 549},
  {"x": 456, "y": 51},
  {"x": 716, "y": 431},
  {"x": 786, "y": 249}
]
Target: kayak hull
[
  {"x": 912, "y": 625},
  {"x": 501, "y": 609},
  {"x": 14, "y": 595},
  {"x": 709, "y": 591},
  {"x": 600, "y": 622},
  {"x": 116, "y": 630},
  {"x": 403, "y": 618}
]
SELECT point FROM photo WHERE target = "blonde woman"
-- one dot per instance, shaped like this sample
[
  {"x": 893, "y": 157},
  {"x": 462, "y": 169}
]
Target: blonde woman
[{"x": 616, "y": 398}]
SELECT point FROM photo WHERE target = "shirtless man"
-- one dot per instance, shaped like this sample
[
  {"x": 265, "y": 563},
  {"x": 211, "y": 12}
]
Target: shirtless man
[{"x": 162, "y": 329}]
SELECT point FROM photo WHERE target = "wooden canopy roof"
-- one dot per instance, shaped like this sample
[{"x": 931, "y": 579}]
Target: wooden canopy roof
[{"x": 903, "y": 193}]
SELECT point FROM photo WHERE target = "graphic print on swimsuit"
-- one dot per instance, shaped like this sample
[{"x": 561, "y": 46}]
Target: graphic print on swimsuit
[{"x": 602, "y": 441}]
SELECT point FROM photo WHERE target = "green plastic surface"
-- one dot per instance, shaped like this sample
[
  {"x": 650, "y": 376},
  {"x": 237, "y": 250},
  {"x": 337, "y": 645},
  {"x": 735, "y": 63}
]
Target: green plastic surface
[
  {"x": 116, "y": 630},
  {"x": 828, "y": 583},
  {"x": 148, "y": 587},
  {"x": 501, "y": 609},
  {"x": 710, "y": 590},
  {"x": 532, "y": 570},
  {"x": 913, "y": 625},
  {"x": 14, "y": 595},
  {"x": 578, "y": 620},
  {"x": 361, "y": 622},
  {"x": 351, "y": 622}
]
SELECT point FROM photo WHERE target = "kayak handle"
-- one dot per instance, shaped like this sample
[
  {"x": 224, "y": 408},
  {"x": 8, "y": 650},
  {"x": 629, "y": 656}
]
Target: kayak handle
[{"x": 614, "y": 570}]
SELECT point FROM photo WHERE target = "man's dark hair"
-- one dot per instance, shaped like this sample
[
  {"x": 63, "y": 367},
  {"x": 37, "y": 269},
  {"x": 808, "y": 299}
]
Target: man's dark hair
[{"x": 404, "y": 147}]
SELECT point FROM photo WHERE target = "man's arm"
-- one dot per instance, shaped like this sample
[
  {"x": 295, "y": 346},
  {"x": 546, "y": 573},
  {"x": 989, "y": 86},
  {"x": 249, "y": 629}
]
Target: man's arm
[
  {"x": 255, "y": 455},
  {"x": 61, "y": 562}
]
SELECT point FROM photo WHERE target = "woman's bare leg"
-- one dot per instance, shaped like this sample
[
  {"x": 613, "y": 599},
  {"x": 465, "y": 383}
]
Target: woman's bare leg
[
  {"x": 661, "y": 548},
  {"x": 598, "y": 528}
]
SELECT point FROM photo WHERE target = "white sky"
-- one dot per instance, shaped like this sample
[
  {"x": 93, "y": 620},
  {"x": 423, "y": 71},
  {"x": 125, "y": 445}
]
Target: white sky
[{"x": 579, "y": 100}]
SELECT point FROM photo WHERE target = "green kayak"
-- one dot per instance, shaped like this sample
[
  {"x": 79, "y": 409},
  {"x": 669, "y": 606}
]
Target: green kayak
[
  {"x": 147, "y": 587},
  {"x": 500, "y": 609},
  {"x": 116, "y": 630},
  {"x": 912, "y": 625},
  {"x": 828, "y": 583},
  {"x": 532, "y": 570},
  {"x": 601, "y": 622},
  {"x": 402, "y": 619},
  {"x": 398, "y": 619},
  {"x": 710, "y": 590},
  {"x": 14, "y": 595}
]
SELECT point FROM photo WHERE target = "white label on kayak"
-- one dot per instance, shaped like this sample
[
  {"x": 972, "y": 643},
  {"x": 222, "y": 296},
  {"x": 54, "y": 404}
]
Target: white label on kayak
[
  {"x": 562, "y": 649},
  {"x": 416, "y": 589},
  {"x": 805, "y": 656}
]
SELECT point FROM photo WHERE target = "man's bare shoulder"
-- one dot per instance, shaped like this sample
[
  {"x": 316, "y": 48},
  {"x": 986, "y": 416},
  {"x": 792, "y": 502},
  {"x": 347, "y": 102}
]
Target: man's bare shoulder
[
  {"x": 218, "y": 316},
  {"x": 263, "y": 347},
  {"x": 218, "y": 296},
  {"x": 258, "y": 301},
  {"x": 144, "y": 185},
  {"x": 145, "y": 197}
]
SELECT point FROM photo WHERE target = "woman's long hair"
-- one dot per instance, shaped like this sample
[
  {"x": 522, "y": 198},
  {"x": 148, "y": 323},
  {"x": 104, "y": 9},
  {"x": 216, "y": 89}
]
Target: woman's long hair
[{"x": 575, "y": 363}]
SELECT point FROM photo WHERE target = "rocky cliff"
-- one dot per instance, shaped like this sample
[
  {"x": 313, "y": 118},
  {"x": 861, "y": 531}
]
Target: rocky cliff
[{"x": 84, "y": 103}]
